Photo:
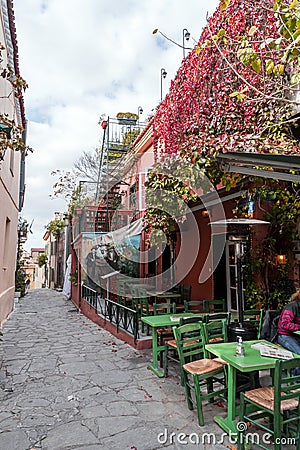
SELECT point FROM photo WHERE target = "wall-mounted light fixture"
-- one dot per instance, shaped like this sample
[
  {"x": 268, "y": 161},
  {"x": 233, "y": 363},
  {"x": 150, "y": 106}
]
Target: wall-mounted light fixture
[{"x": 281, "y": 259}]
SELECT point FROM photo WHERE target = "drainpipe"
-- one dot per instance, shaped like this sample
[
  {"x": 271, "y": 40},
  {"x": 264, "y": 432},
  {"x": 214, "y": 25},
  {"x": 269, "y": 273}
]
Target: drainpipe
[{"x": 22, "y": 173}]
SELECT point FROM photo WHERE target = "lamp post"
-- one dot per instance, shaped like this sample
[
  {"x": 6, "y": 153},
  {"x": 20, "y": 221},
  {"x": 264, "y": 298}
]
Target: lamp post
[
  {"x": 163, "y": 74},
  {"x": 140, "y": 111},
  {"x": 185, "y": 37}
]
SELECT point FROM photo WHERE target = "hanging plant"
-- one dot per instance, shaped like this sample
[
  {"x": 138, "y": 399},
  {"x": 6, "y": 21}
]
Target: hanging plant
[
  {"x": 11, "y": 134},
  {"x": 74, "y": 277},
  {"x": 42, "y": 259},
  {"x": 171, "y": 185},
  {"x": 55, "y": 227},
  {"x": 268, "y": 282}
]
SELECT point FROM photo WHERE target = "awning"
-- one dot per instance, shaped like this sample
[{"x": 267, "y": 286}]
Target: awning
[
  {"x": 5, "y": 129},
  {"x": 117, "y": 236},
  {"x": 263, "y": 165}
]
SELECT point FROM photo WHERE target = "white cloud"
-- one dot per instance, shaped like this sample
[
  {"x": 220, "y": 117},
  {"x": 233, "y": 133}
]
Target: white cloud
[{"x": 82, "y": 58}]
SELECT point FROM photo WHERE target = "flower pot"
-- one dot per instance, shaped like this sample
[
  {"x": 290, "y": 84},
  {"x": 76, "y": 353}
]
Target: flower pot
[{"x": 127, "y": 121}]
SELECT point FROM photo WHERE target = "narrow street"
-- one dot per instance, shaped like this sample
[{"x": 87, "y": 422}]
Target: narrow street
[{"x": 67, "y": 384}]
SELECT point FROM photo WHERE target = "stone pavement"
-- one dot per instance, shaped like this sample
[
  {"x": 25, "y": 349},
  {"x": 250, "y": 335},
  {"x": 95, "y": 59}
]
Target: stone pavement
[{"x": 67, "y": 384}]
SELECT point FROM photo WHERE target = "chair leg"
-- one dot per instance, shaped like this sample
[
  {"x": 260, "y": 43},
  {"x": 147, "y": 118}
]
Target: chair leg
[
  {"x": 277, "y": 431},
  {"x": 298, "y": 437},
  {"x": 240, "y": 443},
  {"x": 166, "y": 361},
  {"x": 242, "y": 414},
  {"x": 187, "y": 390},
  {"x": 140, "y": 314},
  {"x": 277, "y": 446},
  {"x": 298, "y": 432},
  {"x": 161, "y": 354},
  {"x": 181, "y": 376},
  {"x": 198, "y": 401},
  {"x": 210, "y": 389}
]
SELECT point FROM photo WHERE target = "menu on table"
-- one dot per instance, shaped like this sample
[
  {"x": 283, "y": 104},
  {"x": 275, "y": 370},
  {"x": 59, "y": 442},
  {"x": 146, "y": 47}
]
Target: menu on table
[{"x": 272, "y": 351}]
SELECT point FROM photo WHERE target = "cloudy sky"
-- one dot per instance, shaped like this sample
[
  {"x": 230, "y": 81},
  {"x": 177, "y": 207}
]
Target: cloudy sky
[{"x": 84, "y": 58}]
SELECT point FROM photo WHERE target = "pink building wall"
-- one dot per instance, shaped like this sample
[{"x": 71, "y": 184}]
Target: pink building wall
[
  {"x": 9, "y": 166},
  {"x": 9, "y": 194}
]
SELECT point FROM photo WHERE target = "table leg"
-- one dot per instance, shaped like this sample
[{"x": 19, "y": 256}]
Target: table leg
[
  {"x": 229, "y": 423},
  {"x": 155, "y": 354}
]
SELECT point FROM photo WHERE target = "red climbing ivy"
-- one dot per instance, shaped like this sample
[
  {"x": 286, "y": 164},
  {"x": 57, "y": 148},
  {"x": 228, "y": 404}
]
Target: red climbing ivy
[{"x": 233, "y": 91}]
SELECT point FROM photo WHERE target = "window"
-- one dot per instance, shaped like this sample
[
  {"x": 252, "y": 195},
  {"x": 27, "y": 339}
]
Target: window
[
  {"x": 132, "y": 198},
  {"x": 6, "y": 241},
  {"x": 12, "y": 161}
]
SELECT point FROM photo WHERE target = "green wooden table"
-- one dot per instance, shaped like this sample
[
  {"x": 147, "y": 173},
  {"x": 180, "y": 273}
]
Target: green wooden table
[
  {"x": 143, "y": 285},
  {"x": 168, "y": 297},
  {"x": 161, "y": 321},
  {"x": 252, "y": 361},
  {"x": 165, "y": 295}
]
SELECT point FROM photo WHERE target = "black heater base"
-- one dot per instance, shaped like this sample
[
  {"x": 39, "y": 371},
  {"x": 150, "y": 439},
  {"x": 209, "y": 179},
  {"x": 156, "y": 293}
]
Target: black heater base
[{"x": 246, "y": 330}]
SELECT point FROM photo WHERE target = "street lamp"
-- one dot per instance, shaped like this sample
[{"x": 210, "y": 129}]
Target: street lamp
[
  {"x": 185, "y": 37},
  {"x": 140, "y": 111},
  {"x": 163, "y": 74}
]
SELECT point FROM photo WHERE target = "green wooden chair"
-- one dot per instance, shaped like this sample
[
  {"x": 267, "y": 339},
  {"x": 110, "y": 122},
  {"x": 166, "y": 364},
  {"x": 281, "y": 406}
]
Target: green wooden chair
[
  {"x": 199, "y": 371},
  {"x": 185, "y": 292},
  {"x": 215, "y": 305},
  {"x": 217, "y": 316},
  {"x": 194, "y": 306},
  {"x": 273, "y": 409},
  {"x": 256, "y": 318},
  {"x": 164, "y": 308},
  {"x": 136, "y": 294},
  {"x": 141, "y": 304},
  {"x": 123, "y": 297},
  {"x": 214, "y": 331},
  {"x": 170, "y": 353},
  {"x": 163, "y": 334}
]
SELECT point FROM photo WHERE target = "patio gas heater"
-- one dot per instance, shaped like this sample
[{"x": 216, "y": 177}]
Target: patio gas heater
[{"x": 240, "y": 328}]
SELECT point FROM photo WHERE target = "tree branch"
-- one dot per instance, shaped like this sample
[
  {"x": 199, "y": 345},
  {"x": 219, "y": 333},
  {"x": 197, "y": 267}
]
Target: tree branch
[{"x": 266, "y": 96}]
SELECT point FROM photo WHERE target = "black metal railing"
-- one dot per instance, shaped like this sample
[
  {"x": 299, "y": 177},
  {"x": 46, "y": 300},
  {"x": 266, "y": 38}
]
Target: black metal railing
[
  {"x": 89, "y": 295},
  {"x": 123, "y": 317}
]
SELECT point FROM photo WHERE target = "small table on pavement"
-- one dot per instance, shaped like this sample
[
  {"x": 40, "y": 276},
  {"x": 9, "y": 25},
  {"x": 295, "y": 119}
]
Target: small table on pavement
[
  {"x": 161, "y": 321},
  {"x": 252, "y": 361}
]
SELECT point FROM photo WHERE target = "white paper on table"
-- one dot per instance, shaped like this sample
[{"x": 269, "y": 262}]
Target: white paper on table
[{"x": 272, "y": 351}]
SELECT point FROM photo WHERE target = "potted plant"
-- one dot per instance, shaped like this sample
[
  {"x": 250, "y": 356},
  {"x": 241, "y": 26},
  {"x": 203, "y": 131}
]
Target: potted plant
[
  {"x": 74, "y": 277},
  {"x": 127, "y": 118}
]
